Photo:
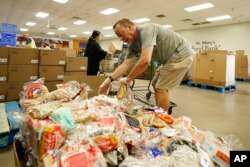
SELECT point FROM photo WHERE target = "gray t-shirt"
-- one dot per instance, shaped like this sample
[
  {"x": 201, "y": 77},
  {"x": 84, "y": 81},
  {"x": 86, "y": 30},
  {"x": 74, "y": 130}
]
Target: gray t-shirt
[{"x": 166, "y": 43}]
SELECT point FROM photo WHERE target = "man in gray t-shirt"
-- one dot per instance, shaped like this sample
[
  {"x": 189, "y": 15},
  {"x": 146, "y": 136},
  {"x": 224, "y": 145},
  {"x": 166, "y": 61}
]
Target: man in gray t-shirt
[{"x": 152, "y": 42}]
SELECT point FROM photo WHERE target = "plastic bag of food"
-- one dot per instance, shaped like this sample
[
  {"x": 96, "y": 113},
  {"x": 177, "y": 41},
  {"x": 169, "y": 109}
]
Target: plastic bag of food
[
  {"x": 232, "y": 142},
  {"x": 73, "y": 88}
]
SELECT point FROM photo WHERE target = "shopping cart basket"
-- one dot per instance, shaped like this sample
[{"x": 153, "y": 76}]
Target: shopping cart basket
[{"x": 144, "y": 94}]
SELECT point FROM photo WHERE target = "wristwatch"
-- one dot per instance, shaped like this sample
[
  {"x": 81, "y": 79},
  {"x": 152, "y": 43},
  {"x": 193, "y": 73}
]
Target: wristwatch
[{"x": 111, "y": 78}]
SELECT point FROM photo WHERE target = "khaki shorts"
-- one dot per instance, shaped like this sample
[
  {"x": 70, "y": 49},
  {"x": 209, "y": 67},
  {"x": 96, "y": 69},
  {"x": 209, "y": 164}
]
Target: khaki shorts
[{"x": 169, "y": 75}]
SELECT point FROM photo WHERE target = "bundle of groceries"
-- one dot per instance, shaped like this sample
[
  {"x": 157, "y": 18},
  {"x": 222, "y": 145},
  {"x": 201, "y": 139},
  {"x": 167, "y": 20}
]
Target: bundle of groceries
[{"x": 65, "y": 128}]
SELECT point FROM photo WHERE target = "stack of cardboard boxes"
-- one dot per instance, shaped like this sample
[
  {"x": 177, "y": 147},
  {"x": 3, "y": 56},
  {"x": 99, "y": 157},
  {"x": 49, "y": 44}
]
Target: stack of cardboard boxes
[
  {"x": 214, "y": 67},
  {"x": 242, "y": 68},
  {"x": 51, "y": 67}
]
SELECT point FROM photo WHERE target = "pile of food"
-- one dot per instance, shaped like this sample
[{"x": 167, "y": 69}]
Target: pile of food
[{"x": 65, "y": 128}]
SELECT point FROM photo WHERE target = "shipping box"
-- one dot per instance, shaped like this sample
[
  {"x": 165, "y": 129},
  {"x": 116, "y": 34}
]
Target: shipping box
[
  {"x": 2, "y": 92},
  {"x": 51, "y": 73},
  {"x": 51, "y": 85},
  {"x": 19, "y": 56},
  {"x": 52, "y": 57},
  {"x": 3, "y": 73},
  {"x": 69, "y": 52},
  {"x": 215, "y": 68},
  {"x": 4, "y": 55},
  {"x": 75, "y": 73},
  {"x": 114, "y": 48},
  {"x": 76, "y": 63},
  {"x": 13, "y": 90},
  {"x": 93, "y": 81},
  {"x": 18, "y": 73},
  {"x": 242, "y": 68}
]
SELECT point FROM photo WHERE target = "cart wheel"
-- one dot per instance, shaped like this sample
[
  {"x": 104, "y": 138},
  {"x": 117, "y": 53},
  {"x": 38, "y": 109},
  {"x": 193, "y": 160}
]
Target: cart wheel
[{"x": 148, "y": 95}]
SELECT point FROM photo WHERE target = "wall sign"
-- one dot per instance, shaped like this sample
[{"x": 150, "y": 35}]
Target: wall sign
[{"x": 205, "y": 45}]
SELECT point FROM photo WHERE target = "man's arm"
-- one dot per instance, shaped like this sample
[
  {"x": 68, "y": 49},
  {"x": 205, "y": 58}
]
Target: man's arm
[{"x": 142, "y": 64}]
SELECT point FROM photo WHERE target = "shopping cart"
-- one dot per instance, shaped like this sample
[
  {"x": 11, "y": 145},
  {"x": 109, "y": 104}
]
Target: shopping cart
[{"x": 143, "y": 93}]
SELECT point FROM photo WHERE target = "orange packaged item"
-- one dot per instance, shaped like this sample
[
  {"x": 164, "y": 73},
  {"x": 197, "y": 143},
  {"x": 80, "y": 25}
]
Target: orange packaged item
[
  {"x": 167, "y": 118},
  {"x": 52, "y": 138},
  {"x": 107, "y": 143}
]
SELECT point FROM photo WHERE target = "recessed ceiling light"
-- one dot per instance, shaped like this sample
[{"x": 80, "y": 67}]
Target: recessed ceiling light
[
  {"x": 41, "y": 14},
  {"x": 30, "y": 24},
  {"x": 109, "y": 11},
  {"x": 167, "y": 26},
  {"x": 141, "y": 20},
  {"x": 79, "y": 22},
  {"x": 62, "y": 28},
  {"x": 61, "y": 1},
  {"x": 107, "y": 28},
  {"x": 199, "y": 7},
  {"x": 23, "y": 29},
  {"x": 50, "y": 33},
  {"x": 72, "y": 36},
  {"x": 87, "y": 32},
  {"x": 219, "y": 18}
]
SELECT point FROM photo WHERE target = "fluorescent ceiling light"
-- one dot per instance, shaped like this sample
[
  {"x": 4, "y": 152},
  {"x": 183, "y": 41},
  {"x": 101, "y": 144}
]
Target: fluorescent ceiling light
[
  {"x": 199, "y": 7},
  {"x": 79, "y": 22},
  {"x": 61, "y": 1},
  {"x": 141, "y": 20},
  {"x": 62, "y": 28},
  {"x": 107, "y": 28},
  {"x": 41, "y": 14},
  {"x": 50, "y": 33},
  {"x": 72, "y": 36},
  {"x": 108, "y": 35},
  {"x": 30, "y": 24},
  {"x": 109, "y": 11},
  {"x": 87, "y": 32},
  {"x": 167, "y": 26},
  {"x": 23, "y": 29},
  {"x": 219, "y": 18}
]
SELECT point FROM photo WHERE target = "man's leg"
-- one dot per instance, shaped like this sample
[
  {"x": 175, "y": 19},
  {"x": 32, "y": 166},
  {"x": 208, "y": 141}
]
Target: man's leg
[{"x": 162, "y": 98}]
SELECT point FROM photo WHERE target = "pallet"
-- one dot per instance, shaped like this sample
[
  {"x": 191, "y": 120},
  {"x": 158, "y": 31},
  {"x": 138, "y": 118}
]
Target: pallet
[
  {"x": 243, "y": 80},
  {"x": 221, "y": 89}
]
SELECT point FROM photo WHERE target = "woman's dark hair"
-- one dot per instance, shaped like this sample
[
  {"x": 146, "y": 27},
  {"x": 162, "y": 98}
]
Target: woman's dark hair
[{"x": 95, "y": 34}]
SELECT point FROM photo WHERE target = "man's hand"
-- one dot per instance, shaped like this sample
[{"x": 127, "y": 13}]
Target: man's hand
[
  {"x": 125, "y": 80},
  {"x": 103, "y": 89}
]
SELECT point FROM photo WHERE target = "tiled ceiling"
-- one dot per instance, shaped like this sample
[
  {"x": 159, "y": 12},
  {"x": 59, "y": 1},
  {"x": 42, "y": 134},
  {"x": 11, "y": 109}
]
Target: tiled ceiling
[{"x": 20, "y": 12}]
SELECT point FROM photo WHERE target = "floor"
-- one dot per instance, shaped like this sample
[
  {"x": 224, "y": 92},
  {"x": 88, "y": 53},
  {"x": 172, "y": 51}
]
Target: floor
[{"x": 222, "y": 113}]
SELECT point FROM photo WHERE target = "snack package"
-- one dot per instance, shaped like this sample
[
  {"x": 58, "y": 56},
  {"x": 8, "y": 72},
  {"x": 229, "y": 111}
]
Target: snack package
[
  {"x": 73, "y": 88},
  {"x": 83, "y": 153},
  {"x": 34, "y": 89}
]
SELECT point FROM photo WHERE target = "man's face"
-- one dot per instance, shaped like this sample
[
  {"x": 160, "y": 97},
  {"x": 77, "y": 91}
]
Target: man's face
[{"x": 125, "y": 33}]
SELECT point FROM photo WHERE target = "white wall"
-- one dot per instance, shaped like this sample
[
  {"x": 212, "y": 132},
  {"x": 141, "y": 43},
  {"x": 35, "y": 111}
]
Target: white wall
[{"x": 228, "y": 37}]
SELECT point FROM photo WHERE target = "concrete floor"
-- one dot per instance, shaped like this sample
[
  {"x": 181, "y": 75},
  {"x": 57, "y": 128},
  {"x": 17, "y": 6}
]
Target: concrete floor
[{"x": 222, "y": 113}]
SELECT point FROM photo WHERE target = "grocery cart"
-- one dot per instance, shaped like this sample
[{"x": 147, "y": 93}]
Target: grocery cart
[{"x": 144, "y": 94}]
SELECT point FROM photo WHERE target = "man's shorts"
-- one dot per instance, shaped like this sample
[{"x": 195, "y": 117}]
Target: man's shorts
[{"x": 170, "y": 75}]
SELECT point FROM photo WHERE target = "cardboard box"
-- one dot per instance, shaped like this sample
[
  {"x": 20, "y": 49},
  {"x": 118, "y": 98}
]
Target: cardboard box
[
  {"x": 4, "y": 55},
  {"x": 75, "y": 73},
  {"x": 51, "y": 73},
  {"x": 13, "y": 90},
  {"x": 215, "y": 68},
  {"x": 93, "y": 81},
  {"x": 76, "y": 63},
  {"x": 3, "y": 73},
  {"x": 18, "y": 73},
  {"x": 114, "y": 48},
  {"x": 69, "y": 52},
  {"x": 3, "y": 92},
  {"x": 19, "y": 56},
  {"x": 240, "y": 52},
  {"x": 242, "y": 70},
  {"x": 51, "y": 85},
  {"x": 52, "y": 57}
]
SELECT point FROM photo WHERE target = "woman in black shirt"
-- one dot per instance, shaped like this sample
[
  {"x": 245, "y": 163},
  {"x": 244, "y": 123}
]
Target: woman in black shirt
[{"x": 94, "y": 52}]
